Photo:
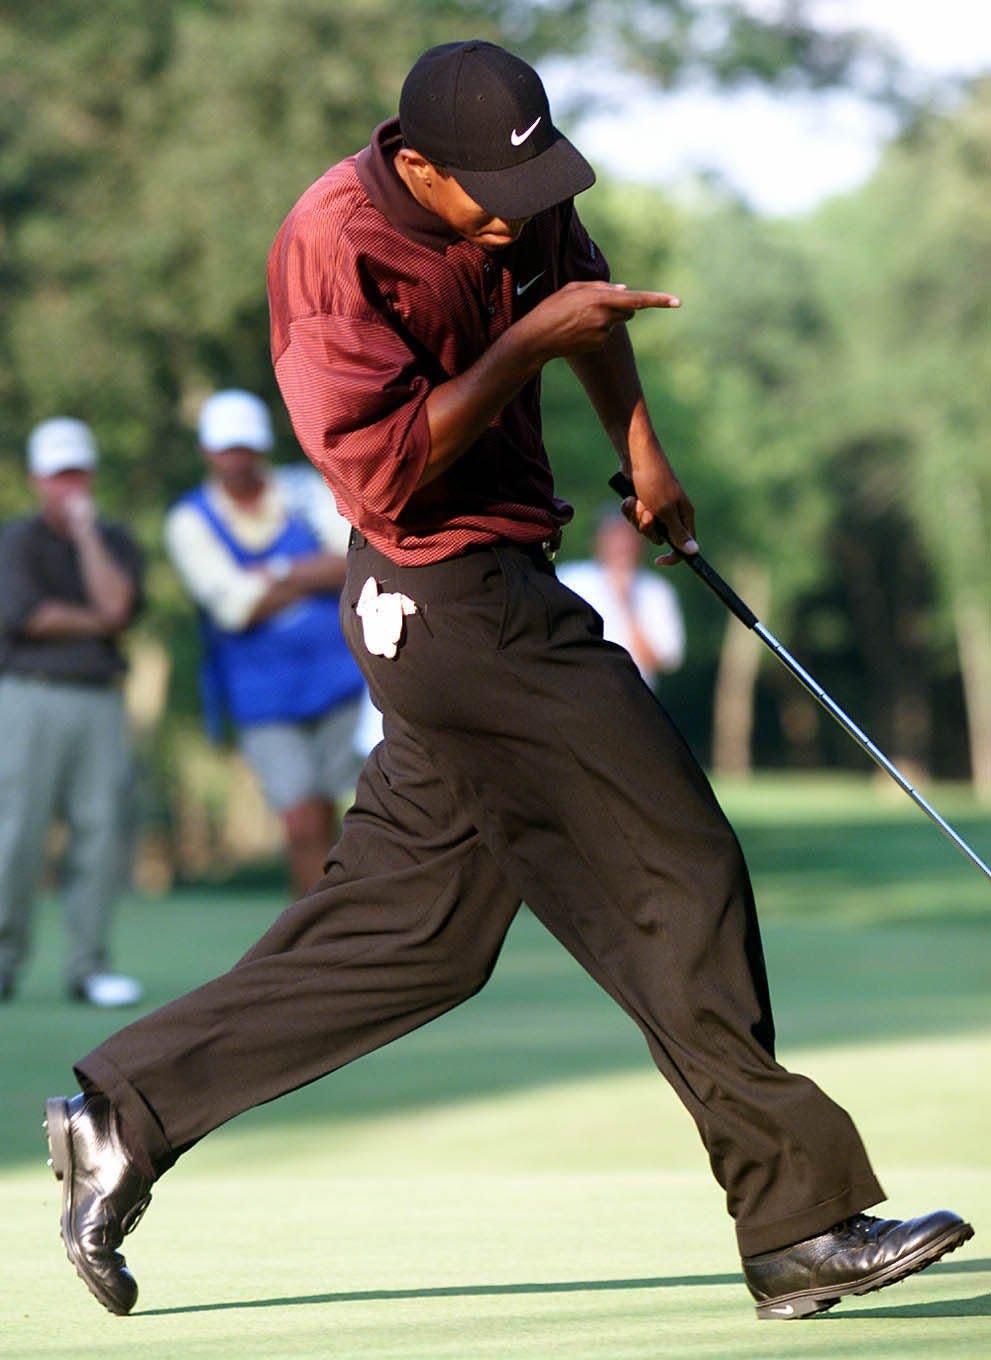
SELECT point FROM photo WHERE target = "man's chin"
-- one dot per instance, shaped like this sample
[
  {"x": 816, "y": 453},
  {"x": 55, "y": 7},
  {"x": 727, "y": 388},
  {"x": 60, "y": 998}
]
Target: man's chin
[{"x": 491, "y": 240}]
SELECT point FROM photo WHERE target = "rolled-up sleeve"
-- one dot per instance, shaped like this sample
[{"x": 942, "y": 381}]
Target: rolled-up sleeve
[{"x": 357, "y": 406}]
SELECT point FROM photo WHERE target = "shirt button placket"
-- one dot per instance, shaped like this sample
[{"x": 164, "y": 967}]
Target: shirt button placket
[{"x": 488, "y": 287}]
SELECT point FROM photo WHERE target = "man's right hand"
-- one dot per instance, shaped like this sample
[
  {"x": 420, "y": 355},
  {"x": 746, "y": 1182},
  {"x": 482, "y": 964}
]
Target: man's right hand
[
  {"x": 579, "y": 317},
  {"x": 80, "y": 513}
]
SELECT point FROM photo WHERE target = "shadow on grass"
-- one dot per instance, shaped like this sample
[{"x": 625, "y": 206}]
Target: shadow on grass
[
  {"x": 873, "y": 930},
  {"x": 978, "y": 1306},
  {"x": 452, "y": 1292}
]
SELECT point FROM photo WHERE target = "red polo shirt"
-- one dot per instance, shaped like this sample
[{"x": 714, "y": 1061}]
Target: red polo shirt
[{"x": 373, "y": 302}]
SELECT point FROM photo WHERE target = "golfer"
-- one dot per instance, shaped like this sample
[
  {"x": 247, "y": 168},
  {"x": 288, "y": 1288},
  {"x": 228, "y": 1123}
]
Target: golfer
[{"x": 417, "y": 290}]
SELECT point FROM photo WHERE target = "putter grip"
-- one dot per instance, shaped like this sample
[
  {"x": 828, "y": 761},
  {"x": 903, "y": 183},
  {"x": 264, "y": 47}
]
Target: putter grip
[{"x": 622, "y": 485}]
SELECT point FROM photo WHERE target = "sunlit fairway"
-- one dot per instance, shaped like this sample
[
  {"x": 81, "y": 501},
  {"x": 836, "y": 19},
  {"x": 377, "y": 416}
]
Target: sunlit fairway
[{"x": 515, "y": 1180}]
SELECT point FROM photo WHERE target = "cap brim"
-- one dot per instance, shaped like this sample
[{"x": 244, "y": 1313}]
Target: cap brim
[
  {"x": 53, "y": 467},
  {"x": 526, "y": 189}
]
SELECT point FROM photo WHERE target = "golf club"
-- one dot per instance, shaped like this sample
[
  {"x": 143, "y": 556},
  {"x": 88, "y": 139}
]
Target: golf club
[{"x": 621, "y": 484}]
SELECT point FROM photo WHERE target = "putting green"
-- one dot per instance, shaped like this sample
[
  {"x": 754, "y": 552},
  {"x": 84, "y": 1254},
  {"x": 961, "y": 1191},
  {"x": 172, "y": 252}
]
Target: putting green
[
  {"x": 477, "y": 1231},
  {"x": 514, "y": 1180}
]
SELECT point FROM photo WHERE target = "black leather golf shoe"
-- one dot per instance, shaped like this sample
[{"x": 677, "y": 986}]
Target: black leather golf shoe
[
  {"x": 855, "y": 1257},
  {"x": 103, "y": 1195}
]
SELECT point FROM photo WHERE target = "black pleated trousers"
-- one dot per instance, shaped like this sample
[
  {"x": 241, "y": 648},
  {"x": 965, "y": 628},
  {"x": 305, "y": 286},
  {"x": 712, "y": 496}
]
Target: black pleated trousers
[{"x": 524, "y": 759}]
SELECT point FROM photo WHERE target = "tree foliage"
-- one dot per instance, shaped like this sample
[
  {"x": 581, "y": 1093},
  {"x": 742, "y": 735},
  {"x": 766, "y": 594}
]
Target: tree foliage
[{"x": 903, "y": 269}]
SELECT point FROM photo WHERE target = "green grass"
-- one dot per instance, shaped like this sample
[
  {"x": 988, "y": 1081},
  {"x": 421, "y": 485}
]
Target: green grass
[{"x": 515, "y": 1180}]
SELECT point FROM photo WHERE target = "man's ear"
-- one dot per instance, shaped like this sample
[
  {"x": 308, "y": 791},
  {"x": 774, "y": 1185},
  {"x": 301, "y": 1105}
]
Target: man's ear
[{"x": 417, "y": 166}]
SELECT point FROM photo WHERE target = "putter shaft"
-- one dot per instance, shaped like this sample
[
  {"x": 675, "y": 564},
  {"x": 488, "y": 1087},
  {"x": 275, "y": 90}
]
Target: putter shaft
[{"x": 624, "y": 487}]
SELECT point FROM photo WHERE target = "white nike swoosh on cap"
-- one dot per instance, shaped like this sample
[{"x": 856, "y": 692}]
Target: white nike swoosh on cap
[
  {"x": 522, "y": 287},
  {"x": 518, "y": 138}
]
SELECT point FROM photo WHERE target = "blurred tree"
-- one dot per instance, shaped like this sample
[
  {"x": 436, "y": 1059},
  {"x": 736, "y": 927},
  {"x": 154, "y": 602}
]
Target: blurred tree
[
  {"x": 754, "y": 330},
  {"x": 905, "y": 277}
]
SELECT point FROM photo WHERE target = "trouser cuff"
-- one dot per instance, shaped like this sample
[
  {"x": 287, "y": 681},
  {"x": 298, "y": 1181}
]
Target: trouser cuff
[
  {"x": 754, "y": 1239},
  {"x": 141, "y": 1132}
]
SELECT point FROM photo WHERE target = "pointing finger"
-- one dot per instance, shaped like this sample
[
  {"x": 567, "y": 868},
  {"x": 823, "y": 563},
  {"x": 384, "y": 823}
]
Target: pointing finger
[{"x": 638, "y": 299}]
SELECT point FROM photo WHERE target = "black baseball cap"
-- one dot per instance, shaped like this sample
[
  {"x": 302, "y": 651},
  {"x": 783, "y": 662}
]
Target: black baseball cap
[{"x": 482, "y": 114}]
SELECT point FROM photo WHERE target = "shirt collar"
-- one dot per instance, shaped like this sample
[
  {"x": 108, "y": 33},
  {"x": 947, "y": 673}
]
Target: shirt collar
[{"x": 387, "y": 192}]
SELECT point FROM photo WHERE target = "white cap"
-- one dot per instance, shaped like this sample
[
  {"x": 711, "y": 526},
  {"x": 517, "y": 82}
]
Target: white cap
[
  {"x": 235, "y": 420},
  {"x": 57, "y": 445}
]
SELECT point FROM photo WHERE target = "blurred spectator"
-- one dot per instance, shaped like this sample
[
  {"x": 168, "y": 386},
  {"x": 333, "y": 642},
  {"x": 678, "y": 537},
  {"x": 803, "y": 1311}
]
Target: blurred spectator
[
  {"x": 70, "y": 583},
  {"x": 639, "y": 609},
  {"x": 262, "y": 553}
]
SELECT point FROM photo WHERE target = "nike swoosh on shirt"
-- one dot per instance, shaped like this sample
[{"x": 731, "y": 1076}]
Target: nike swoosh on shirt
[
  {"x": 522, "y": 287},
  {"x": 518, "y": 138}
]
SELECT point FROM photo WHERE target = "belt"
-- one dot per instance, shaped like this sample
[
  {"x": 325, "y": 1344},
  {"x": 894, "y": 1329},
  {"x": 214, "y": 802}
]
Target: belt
[{"x": 546, "y": 549}]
